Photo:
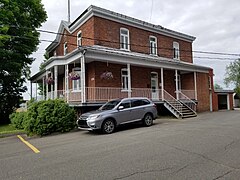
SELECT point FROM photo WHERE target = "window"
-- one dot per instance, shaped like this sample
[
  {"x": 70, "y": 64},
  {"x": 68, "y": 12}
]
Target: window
[
  {"x": 176, "y": 52},
  {"x": 153, "y": 45},
  {"x": 65, "y": 48},
  {"x": 55, "y": 53},
  {"x": 124, "y": 39},
  {"x": 79, "y": 38},
  {"x": 126, "y": 104},
  {"x": 124, "y": 79},
  {"x": 76, "y": 84}
]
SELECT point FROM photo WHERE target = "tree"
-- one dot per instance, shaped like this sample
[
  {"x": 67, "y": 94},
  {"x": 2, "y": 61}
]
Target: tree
[
  {"x": 233, "y": 75},
  {"x": 217, "y": 86},
  {"x": 19, "y": 20}
]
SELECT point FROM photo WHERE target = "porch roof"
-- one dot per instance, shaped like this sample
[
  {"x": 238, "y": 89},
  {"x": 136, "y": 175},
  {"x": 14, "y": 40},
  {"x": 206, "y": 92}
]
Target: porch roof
[{"x": 106, "y": 54}]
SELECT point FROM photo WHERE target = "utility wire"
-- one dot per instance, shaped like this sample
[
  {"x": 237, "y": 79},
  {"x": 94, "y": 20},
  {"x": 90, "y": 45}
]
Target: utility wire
[
  {"x": 162, "y": 54},
  {"x": 131, "y": 44}
]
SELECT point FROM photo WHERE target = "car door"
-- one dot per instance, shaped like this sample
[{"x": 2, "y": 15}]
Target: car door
[
  {"x": 124, "y": 115},
  {"x": 138, "y": 109}
]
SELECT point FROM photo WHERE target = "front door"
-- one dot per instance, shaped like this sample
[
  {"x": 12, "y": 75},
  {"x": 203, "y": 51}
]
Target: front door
[{"x": 154, "y": 86}]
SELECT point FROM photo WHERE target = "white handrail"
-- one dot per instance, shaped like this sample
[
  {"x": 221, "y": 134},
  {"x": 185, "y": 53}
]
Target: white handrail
[
  {"x": 173, "y": 102},
  {"x": 188, "y": 102}
]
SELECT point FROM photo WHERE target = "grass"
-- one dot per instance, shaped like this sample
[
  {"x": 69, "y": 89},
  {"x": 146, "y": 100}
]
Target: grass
[{"x": 9, "y": 129}]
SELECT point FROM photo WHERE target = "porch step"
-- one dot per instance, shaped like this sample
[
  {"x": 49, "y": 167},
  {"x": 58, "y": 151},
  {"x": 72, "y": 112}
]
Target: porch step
[{"x": 186, "y": 112}]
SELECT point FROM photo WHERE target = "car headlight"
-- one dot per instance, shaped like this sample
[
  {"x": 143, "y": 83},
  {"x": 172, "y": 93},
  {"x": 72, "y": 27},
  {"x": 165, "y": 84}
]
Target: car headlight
[{"x": 90, "y": 118}]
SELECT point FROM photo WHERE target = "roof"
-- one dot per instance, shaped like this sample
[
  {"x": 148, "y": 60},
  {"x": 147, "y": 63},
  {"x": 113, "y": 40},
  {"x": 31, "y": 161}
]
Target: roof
[
  {"x": 63, "y": 25},
  {"x": 225, "y": 91},
  {"x": 109, "y": 54},
  {"x": 117, "y": 17}
]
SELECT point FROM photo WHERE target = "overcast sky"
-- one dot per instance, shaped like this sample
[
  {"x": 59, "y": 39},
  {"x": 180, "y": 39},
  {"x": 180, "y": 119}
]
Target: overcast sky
[{"x": 214, "y": 23}]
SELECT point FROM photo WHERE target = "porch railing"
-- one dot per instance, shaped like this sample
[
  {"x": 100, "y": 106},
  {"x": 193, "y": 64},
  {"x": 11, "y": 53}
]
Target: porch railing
[
  {"x": 173, "y": 102},
  {"x": 94, "y": 94},
  {"x": 189, "y": 93},
  {"x": 187, "y": 101}
]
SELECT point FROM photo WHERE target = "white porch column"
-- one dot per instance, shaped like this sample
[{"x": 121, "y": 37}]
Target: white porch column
[
  {"x": 55, "y": 82},
  {"x": 51, "y": 85},
  {"x": 176, "y": 83},
  {"x": 66, "y": 83},
  {"x": 36, "y": 90},
  {"x": 31, "y": 89},
  {"x": 47, "y": 86},
  {"x": 129, "y": 81},
  {"x": 162, "y": 84},
  {"x": 83, "y": 84},
  {"x": 43, "y": 89},
  {"x": 195, "y": 85}
]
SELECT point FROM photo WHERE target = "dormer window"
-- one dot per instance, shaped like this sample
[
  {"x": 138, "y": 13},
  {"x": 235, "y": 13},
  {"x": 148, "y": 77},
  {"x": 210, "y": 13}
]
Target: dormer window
[
  {"x": 124, "y": 39},
  {"x": 153, "y": 45},
  {"x": 79, "y": 38},
  {"x": 176, "y": 52},
  {"x": 65, "y": 48}
]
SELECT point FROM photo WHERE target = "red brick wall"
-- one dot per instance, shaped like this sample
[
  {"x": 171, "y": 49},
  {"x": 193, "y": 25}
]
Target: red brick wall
[
  {"x": 169, "y": 81},
  {"x": 187, "y": 81},
  {"x": 203, "y": 92},
  {"x": 108, "y": 34}
]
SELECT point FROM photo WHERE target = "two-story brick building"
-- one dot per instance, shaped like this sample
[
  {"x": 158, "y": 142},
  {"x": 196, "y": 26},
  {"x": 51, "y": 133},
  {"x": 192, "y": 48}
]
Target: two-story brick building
[{"x": 104, "y": 55}]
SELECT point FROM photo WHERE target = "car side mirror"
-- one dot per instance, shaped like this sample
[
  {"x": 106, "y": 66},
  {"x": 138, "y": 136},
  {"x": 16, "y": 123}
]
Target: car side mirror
[{"x": 120, "y": 107}]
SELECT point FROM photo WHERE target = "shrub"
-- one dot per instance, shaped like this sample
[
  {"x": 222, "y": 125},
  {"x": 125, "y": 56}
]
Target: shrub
[
  {"x": 17, "y": 119},
  {"x": 45, "y": 117}
]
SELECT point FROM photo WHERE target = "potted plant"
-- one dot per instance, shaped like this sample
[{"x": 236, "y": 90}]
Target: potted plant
[{"x": 106, "y": 75}]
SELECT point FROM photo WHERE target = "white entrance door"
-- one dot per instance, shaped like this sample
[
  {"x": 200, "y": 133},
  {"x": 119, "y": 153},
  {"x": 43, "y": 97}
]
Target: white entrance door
[{"x": 154, "y": 86}]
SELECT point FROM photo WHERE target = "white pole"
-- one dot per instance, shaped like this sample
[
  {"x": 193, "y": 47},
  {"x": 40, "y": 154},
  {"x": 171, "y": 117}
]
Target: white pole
[
  {"x": 46, "y": 85},
  {"x": 176, "y": 83},
  {"x": 55, "y": 81},
  {"x": 68, "y": 10},
  {"x": 195, "y": 85},
  {"x": 162, "y": 83},
  {"x": 66, "y": 83},
  {"x": 129, "y": 80},
  {"x": 83, "y": 94},
  {"x": 43, "y": 89}
]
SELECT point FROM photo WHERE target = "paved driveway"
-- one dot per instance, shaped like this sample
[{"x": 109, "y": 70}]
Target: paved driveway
[{"x": 205, "y": 147}]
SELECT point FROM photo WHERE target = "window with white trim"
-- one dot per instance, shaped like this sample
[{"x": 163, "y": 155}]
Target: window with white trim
[
  {"x": 79, "y": 38},
  {"x": 65, "y": 48},
  {"x": 76, "y": 84},
  {"x": 153, "y": 45},
  {"x": 176, "y": 52},
  {"x": 125, "y": 79},
  {"x": 124, "y": 39}
]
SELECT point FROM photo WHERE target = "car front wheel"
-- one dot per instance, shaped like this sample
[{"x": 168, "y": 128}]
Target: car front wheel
[
  {"x": 108, "y": 126},
  {"x": 148, "y": 120}
]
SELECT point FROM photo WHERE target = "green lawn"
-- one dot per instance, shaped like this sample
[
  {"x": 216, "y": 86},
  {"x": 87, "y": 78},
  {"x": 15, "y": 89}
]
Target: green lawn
[{"x": 8, "y": 129}]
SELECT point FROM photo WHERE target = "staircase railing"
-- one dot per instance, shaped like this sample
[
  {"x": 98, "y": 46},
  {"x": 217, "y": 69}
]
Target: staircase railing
[
  {"x": 187, "y": 102},
  {"x": 173, "y": 102}
]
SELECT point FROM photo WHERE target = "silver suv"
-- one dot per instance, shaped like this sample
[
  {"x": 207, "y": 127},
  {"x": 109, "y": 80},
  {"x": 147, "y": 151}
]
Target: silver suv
[{"x": 117, "y": 112}]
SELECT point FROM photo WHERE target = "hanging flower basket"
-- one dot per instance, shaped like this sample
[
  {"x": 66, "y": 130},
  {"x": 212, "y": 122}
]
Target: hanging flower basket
[
  {"x": 107, "y": 75},
  {"x": 74, "y": 75},
  {"x": 49, "y": 80}
]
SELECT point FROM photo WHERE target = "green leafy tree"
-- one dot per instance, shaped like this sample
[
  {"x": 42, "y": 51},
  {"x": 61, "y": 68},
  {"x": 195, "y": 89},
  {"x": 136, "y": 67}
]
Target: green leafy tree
[
  {"x": 232, "y": 75},
  {"x": 217, "y": 86},
  {"x": 19, "y": 20},
  {"x": 41, "y": 67}
]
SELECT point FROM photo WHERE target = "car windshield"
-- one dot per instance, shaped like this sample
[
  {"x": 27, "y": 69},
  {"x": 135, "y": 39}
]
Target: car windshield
[{"x": 110, "y": 105}]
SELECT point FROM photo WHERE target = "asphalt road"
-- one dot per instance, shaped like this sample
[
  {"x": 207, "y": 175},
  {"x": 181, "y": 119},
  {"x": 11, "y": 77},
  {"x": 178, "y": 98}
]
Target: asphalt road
[{"x": 205, "y": 147}]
